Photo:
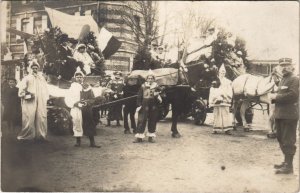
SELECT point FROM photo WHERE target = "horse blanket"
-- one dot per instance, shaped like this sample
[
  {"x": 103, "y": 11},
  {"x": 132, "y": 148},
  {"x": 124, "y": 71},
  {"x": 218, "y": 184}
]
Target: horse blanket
[
  {"x": 250, "y": 85},
  {"x": 164, "y": 76}
]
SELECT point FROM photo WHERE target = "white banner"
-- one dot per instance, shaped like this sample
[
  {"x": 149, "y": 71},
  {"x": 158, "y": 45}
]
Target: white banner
[{"x": 73, "y": 25}]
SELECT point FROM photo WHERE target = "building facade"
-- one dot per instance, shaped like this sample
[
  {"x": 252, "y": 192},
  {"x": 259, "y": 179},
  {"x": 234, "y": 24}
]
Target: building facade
[
  {"x": 30, "y": 16},
  {"x": 262, "y": 67}
]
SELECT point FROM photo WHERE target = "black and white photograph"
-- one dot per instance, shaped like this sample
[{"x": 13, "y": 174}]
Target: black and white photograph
[{"x": 149, "y": 96}]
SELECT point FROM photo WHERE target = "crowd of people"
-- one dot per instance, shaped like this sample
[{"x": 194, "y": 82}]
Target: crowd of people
[{"x": 30, "y": 100}]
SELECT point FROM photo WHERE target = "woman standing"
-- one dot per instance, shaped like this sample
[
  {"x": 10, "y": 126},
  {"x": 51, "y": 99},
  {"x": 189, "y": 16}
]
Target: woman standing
[
  {"x": 220, "y": 98},
  {"x": 148, "y": 99}
]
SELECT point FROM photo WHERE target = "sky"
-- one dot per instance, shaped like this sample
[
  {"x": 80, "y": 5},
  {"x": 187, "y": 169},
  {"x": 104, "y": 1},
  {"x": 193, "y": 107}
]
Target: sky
[{"x": 270, "y": 29}]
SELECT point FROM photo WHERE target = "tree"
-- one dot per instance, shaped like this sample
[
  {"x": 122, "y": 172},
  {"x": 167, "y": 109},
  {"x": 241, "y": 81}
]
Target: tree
[{"x": 141, "y": 18}]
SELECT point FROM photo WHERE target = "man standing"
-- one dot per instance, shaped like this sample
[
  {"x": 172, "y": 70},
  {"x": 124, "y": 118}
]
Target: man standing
[
  {"x": 116, "y": 85},
  {"x": 34, "y": 93},
  {"x": 80, "y": 99},
  {"x": 286, "y": 115},
  {"x": 12, "y": 105}
]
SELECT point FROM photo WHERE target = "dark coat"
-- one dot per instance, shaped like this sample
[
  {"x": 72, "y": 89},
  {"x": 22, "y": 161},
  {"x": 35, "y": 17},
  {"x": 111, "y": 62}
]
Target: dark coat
[
  {"x": 68, "y": 65},
  {"x": 89, "y": 123},
  {"x": 115, "y": 111},
  {"x": 12, "y": 105},
  {"x": 287, "y": 99}
]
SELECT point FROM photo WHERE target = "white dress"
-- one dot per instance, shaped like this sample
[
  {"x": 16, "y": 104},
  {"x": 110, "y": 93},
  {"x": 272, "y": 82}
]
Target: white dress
[
  {"x": 86, "y": 59},
  {"x": 220, "y": 99}
]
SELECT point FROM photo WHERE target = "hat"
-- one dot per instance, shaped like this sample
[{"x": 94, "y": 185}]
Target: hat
[
  {"x": 78, "y": 71},
  {"x": 63, "y": 38},
  {"x": 285, "y": 61},
  {"x": 222, "y": 68},
  {"x": 118, "y": 73},
  {"x": 33, "y": 63},
  {"x": 81, "y": 46},
  {"x": 239, "y": 53},
  {"x": 11, "y": 78},
  {"x": 91, "y": 47},
  {"x": 150, "y": 73}
]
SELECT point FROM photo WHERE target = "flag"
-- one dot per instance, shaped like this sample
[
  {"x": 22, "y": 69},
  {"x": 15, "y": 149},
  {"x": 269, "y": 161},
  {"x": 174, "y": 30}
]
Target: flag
[
  {"x": 108, "y": 43},
  {"x": 78, "y": 27},
  {"x": 75, "y": 26}
]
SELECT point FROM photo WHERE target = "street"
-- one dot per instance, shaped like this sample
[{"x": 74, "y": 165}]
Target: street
[{"x": 197, "y": 162}]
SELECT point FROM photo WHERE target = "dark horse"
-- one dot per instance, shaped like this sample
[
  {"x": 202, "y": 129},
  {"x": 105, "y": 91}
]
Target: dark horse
[
  {"x": 131, "y": 88},
  {"x": 195, "y": 83},
  {"x": 183, "y": 95}
]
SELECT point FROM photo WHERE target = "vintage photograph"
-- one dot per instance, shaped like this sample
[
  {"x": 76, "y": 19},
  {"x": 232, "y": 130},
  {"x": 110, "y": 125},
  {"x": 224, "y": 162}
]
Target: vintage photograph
[{"x": 149, "y": 96}]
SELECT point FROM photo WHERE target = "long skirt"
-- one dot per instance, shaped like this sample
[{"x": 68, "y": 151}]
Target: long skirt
[{"x": 222, "y": 118}]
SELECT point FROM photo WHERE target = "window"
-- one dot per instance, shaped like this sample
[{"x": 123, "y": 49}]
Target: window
[{"x": 25, "y": 24}]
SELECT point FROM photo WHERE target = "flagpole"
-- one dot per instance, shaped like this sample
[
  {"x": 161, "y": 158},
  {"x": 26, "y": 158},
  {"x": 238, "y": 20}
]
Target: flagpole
[{"x": 98, "y": 6}]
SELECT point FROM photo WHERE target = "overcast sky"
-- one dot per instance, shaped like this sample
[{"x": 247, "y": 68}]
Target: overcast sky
[{"x": 271, "y": 29}]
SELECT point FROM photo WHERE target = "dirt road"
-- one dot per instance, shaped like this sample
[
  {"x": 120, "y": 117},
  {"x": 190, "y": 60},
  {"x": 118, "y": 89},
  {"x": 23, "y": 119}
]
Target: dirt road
[{"x": 192, "y": 163}]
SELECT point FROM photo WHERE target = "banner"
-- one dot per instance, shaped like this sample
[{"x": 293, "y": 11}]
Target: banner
[{"x": 75, "y": 26}]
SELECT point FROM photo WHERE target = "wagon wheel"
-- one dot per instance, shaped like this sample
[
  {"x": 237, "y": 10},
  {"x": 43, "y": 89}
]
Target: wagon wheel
[
  {"x": 199, "y": 112},
  {"x": 200, "y": 117}
]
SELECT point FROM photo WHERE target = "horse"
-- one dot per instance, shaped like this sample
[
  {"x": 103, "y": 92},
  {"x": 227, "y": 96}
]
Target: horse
[
  {"x": 249, "y": 89},
  {"x": 195, "y": 83},
  {"x": 131, "y": 88},
  {"x": 182, "y": 95}
]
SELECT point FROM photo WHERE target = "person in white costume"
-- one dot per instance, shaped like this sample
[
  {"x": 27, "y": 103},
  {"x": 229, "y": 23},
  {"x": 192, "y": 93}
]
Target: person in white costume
[
  {"x": 34, "y": 93},
  {"x": 79, "y": 99},
  {"x": 220, "y": 99},
  {"x": 81, "y": 55}
]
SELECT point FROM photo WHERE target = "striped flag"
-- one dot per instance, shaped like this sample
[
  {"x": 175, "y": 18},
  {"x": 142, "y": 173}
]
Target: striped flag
[{"x": 108, "y": 43}]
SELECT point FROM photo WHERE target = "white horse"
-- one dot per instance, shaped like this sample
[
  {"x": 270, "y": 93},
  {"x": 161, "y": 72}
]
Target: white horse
[{"x": 251, "y": 90}]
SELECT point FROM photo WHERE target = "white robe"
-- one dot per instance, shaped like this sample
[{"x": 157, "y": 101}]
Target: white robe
[
  {"x": 71, "y": 98},
  {"x": 34, "y": 111},
  {"x": 86, "y": 59},
  {"x": 222, "y": 115}
]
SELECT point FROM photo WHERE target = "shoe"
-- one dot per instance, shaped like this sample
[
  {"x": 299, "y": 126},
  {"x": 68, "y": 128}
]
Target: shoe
[
  {"x": 271, "y": 135},
  {"x": 138, "y": 140},
  {"x": 278, "y": 166},
  {"x": 95, "y": 146},
  {"x": 127, "y": 131},
  {"x": 246, "y": 129},
  {"x": 228, "y": 133},
  {"x": 77, "y": 145},
  {"x": 151, "y": 140},
  {"x": 214, "y": 132},
  {"x": 286, "y": 169}
]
